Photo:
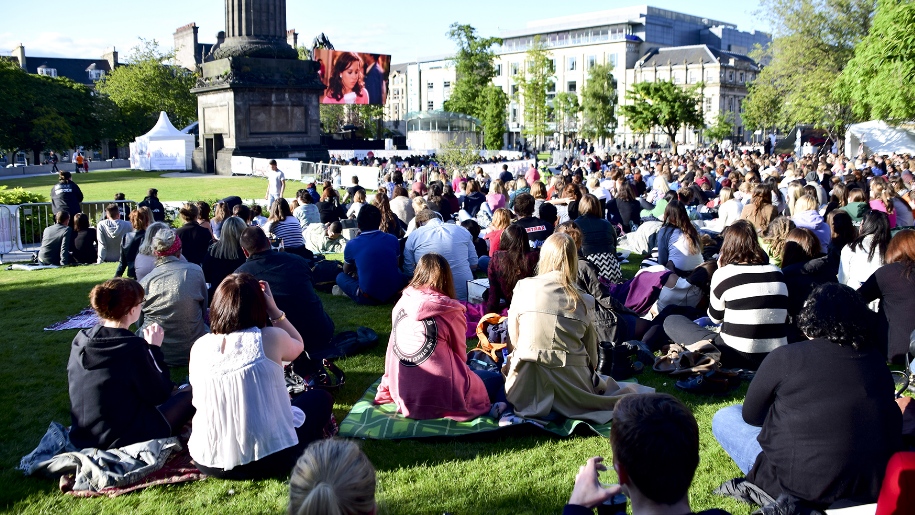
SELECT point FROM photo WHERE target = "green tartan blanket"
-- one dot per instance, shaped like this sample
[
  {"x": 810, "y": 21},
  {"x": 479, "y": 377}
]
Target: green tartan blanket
[{"x": 382, "y": 422}]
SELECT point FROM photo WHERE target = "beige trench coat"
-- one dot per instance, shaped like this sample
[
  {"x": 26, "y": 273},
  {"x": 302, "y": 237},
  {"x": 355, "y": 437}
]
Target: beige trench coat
[{"x": 555, "y": 351}]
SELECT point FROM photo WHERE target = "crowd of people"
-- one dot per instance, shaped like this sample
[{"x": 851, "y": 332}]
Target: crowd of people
[{"x": 803, "y": 269}]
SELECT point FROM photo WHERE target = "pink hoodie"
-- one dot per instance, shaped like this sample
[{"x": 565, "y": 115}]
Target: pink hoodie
[{"x": 425, "y": 367}]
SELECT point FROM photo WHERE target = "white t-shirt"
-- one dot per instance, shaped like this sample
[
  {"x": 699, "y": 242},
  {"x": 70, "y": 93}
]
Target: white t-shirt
[{"x": 275, "y": 180}]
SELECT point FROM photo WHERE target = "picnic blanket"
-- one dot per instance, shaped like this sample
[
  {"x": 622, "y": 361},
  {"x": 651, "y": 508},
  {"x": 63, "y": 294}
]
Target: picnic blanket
[
  {"x": 85, "y": 319},
  {"x": 179, "y": 468},
  {"x": 30, "y": 267},
  {"x": 382, "y": 422}
]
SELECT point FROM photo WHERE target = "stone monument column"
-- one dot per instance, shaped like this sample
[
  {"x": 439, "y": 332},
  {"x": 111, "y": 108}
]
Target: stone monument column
[
  {"x": 255, "y": 98},
  {"x": 256, "y": 28}
]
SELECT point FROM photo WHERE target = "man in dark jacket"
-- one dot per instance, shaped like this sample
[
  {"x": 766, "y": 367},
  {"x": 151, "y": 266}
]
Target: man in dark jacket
[
  {"x": 55, "y": 241},
  {"x": 155, "y": 207},
  {"x": 66, "y": 195},
  {"x": 290, "y": 281}
]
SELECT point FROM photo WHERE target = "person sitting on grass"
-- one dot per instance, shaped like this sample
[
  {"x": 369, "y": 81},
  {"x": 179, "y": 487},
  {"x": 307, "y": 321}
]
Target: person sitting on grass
[
  {"x": 425, "y": 371},
  {"x": 512, "y": 262},
  {"x": 56, "y": 240},
  {"x": 307, "y": 212},
  {"x": 146, "y": 257},
  {"x": 225, "y": 255},
  {"x": 294, "y": 291},
  {"x": 370, "y": 275},
  {"x": 176, "y": 298},
  {"x": 195, "y": 239},
  {"x": 819, "y": 421},
  {"x": 321, "y": 239},
  {"x": 109, "y": 232},
  {"x": 332, "y": 477},
  {"x": 120, "y": 391},
  {"x": 130, "y": 244},
  {"x": 245, "y": 427},
  {"x": 550, "y": 372},
  {"x": 654, "y": 440}
]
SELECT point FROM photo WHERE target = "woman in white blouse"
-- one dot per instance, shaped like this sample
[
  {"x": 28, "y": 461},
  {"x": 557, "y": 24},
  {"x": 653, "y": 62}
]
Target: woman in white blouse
[{"x": 245, "y": 426}]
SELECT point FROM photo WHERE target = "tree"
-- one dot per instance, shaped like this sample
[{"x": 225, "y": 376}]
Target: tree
[
  {"x": 493, "y": 118},
  {"x": 814, "y": 40},
  {"x": 722, "y": 128},
  {"x": 333, "y": 117},
  {"x": 474, "y": 70},
  {"x": 458, "y": 156},
  {"x": 565, "y": 113},
  {"x": 762, "y": 108},
  {"x": 662, "y": 104},
  {"x": 534, "y": 85},
  {"x": 152, "y": 82},
  {"x": 880, "y": 79},
  {"x": 598, "y": 101}
]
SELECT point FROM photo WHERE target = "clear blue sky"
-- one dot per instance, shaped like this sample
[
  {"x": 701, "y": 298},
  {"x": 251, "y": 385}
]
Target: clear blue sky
[{"x": 406, "y": 29}]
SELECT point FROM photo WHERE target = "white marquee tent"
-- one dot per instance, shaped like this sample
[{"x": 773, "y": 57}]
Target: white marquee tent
[
  {"x": 162, "y": 148},
  {"x": 876, "y": 137}
]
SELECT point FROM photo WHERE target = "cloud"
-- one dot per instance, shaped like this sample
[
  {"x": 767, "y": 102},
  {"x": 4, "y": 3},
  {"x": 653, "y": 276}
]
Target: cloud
[{"x": 59, "y": 44}]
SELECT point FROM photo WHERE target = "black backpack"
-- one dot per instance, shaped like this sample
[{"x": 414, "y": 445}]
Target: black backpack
[{"x": 324, "y": 274}]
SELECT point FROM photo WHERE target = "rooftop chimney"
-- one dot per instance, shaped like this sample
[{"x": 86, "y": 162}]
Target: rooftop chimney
[
  {"x": 19, "y": 53},
  {"x": 112, "y": 57}
]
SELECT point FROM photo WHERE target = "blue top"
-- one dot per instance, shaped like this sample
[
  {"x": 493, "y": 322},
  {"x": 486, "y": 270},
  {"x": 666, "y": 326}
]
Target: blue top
[
  {"x": 374, "y": 253},
  {"x": 453, "y": 242}
]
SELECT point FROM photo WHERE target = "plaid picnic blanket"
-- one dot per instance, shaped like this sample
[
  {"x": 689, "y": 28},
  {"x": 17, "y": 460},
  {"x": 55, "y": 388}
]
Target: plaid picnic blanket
[{"x": 382, "y": 422}]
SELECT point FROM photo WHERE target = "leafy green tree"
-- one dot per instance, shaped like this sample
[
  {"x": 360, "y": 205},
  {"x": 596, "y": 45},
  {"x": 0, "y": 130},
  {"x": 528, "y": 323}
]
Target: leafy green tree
[
  {"x": 534, "y": 85},
  {"x": 566, "y": 109},
  {"x": 494, "y": 102},
  {"x": 762, "y": 109},
  {"x": 880, "y": 79},
  {"x": 474, "y": 70},
  {"x": 722, "y": 128},
  {"x": 151, "y": 83},
  {"x": 662, "y": 104},
  {"x": 333, "y": 117},
  {"x": 814, "y": 41},
  {"x": 458, "y": 156},
  {"x": 598, "y": 101}
]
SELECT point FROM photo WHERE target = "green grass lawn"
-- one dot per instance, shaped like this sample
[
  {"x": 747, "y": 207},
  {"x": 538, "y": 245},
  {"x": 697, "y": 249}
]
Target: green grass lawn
[
  {"x": 103, "y": 184},
  {"x": 526, "y": 472}
]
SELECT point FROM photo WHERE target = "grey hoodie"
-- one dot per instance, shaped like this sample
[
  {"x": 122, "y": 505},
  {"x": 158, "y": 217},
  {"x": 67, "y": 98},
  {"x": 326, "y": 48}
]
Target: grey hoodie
[{"x": 110, "y": 233}]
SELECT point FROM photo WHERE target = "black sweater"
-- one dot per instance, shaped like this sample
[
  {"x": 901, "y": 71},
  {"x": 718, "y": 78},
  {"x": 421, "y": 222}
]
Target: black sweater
[
  {"x": 116, "y": 381},
  {"x": 829, "y": 422},
  {"x": 195, "y": 240},
  {"x": 896, "y": 290}
]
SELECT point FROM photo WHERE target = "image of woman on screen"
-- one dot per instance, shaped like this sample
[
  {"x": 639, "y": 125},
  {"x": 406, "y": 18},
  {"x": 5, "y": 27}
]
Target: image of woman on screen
[{"x": 345, "y": 85}]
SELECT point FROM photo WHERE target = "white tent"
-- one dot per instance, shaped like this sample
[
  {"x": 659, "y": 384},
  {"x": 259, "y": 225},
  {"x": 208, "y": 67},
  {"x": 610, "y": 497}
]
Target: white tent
[
  {"x": 162, "y": 148},
  {"x": 876, "y": 137}
]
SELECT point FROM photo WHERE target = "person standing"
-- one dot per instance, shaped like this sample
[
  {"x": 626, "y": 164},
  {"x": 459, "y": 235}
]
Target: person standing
[
  {"x": 66, "y": 195},
  {"x": 78, "y": 160},
  {"x": 276, "y": 183},
  {"x": 156, "y": 209},
  {"x": 53, "y": 160},
  {"x": 374, "y": 80}
]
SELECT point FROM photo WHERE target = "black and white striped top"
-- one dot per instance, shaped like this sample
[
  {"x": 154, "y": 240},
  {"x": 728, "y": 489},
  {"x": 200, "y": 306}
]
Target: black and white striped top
[
  {"x": 751, "y": 303},
  {"x": 288, "y": 229}
]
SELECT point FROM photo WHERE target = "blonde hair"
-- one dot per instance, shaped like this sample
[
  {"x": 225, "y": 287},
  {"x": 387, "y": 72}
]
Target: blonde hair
[
  {"x": 725, "y": 195},
  {"x": 795, "y": 189},
  {"x": 559, "y": 254},
  {"x": 882, "y": 190},
  {"x": 332, "y": 477},
  {"x": 805, "y": 203},
  {"x": 501, "y": 219},
  {"x": 660, "y": 185}
]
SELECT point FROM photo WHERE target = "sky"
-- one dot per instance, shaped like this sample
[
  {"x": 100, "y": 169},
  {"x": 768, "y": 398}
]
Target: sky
[{"x": 406, "y": 29}]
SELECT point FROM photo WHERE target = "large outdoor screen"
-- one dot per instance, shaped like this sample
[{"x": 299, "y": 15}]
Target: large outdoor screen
[{"x": 353, "y": 77}]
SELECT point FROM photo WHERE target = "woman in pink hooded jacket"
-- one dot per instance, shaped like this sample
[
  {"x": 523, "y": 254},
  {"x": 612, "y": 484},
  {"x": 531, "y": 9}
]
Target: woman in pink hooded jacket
[{"x": 425, "y": 367}]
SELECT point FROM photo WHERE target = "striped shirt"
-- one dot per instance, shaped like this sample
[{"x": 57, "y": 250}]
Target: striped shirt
[
  {"x": 288, "y": 229},
  {"x": 751, "y": 303}
]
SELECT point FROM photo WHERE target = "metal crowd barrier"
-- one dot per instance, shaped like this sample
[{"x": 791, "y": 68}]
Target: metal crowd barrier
[
  {"x": 32, "y": 219},
  {"x": 9, "y": 236}
]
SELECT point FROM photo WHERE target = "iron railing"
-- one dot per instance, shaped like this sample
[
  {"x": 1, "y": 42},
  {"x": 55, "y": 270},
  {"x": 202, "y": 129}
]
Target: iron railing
[{"x": 34, "y": 218}]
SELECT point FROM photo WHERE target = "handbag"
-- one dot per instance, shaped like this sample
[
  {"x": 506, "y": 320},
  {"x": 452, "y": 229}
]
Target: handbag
[
  {"x": 329, "y": 377},
  {"x": 681, "y": 360}
]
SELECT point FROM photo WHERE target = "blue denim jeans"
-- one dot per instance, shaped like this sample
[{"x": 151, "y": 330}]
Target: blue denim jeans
[
  {"x": 495, "y": 384},
  {"x": 736, "y": 437},
  {"x": 350, "y": 287},
  {"x": 483, "y": 264}
]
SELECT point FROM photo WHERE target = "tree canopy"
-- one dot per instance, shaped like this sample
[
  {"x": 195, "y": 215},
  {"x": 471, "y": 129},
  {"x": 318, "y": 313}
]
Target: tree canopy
[
  {"x": 598, "y": 101},
  {"x": 662, "y": 104},
  {"x": 474, "y": 70},
  {"x": 534, "y": 85},
  {"x": 150, "y": 83},
  {"x": 722, "y": 128},
  {"x": 494, "y": 101},
  {"x": 44, "y": 113},
  {"x": 880, "y": 78},
  {"x": 814, "y": 40},
  {"x": 565, "y": 113}
]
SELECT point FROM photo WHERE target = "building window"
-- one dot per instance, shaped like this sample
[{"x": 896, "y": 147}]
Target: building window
[
  {"x": 710, "y": 76},
  {"x": 447, "y": 84},
  {"x": 499, "y": 70},
  {"x": 740, "y": 105},
  {"x": 515, "y": 68},
  {"x": 708, "y": 104},
  {"x": 430, "y": 105},
  {"x": 727, "y": 104},
  {"x": 740, "y": 77},
  {"x": 612, "y": 60},
  {"x": 514, "y": 90},
  {"x": 47, "y": 72},
  {"x": 430, "y": 85},
  {"x": 592, "y": 60},
  {"x": 514, "y": 114},
  {"x": 96, "y": 74},
  {"x": 731, "y": 76},
  {"x": 693, "y": 76},
  {"x": 678, "y": 77},
  {"x": 552, "y": 66},
  {"x": 573, "y": 64},
  {"x": 572, "y": 87}
]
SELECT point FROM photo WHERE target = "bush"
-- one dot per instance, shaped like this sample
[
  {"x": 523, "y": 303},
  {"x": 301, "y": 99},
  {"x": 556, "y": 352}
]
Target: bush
[{"x": 17, "y": 196}]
